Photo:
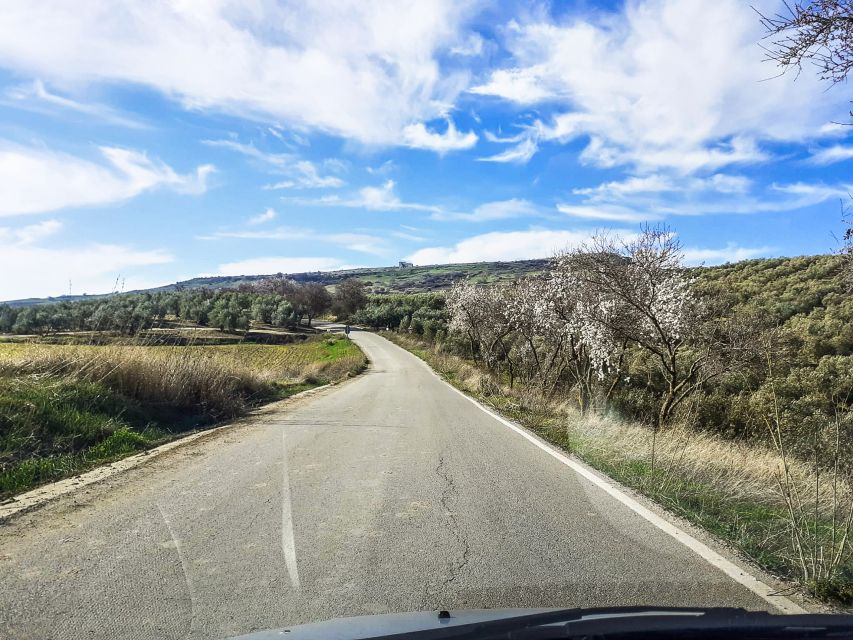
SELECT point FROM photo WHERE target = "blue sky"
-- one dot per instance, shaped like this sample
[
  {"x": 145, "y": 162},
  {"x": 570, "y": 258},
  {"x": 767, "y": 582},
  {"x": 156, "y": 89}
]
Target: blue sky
[{"x": 146, "y": 142}]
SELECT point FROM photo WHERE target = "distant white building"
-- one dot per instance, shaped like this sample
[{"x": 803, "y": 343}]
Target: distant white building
[{"x": 404, "y": 265}]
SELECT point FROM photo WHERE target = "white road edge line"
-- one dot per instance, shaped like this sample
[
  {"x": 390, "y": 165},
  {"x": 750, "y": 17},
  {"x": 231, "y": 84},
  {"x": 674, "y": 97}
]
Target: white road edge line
[
  {"x": 288, "y": 544},
  {"x": 759, "y": 588},
  {"x": 39, "y": 496}
]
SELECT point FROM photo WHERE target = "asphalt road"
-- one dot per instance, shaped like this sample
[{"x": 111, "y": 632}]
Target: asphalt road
[{"x": 390, "y": 492}]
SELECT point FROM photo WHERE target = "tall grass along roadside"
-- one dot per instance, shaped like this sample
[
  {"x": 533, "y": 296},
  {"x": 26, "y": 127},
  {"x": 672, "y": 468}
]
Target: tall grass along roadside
[{"x": 64, "y": 408}]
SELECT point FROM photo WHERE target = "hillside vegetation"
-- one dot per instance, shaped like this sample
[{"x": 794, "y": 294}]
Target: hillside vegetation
[
  {"x": 737, "y": 412},
  {"x": 272, "y": 302},
  {"x": 379, "y": 279}
]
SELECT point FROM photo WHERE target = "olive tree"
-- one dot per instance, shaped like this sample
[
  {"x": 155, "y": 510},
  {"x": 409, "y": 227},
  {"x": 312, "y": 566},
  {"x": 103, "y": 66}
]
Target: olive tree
[{"x": 349, "y": 297}]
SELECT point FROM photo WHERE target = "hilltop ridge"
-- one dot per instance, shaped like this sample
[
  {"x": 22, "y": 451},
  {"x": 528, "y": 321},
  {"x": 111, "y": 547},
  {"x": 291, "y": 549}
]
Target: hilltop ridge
[{"x": 380, "y": 279}]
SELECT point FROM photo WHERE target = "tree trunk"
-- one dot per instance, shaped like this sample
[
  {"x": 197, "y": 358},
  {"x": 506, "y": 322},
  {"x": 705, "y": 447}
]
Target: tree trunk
[{"x": 666, "y": 409}]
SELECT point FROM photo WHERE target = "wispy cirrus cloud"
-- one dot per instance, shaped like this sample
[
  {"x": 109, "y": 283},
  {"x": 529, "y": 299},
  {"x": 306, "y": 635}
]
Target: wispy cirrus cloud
[
  {"x": 608, "y": 213},
  {"x": 524, "y": 147},
  {"x": 301, "y": 173},
  {"x": 656, "y": 196},
  {"x": 359, "y": 242},
  {"x": 389, "y": 166},
  {"x": 35, "y": 180},
  {"x": 384, "y": 198},
  {"x": 35, "y": 96},
  {"x": 497, "y": 210},
  {"x": 381, "y": 198},
  {"x": 831, "y": 155},
  {"x": 659, "y": 183}
]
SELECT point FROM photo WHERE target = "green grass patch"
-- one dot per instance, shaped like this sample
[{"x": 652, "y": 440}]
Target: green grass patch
[
  {"x": 285, "y": 390},
  {"x": 52, "y": 427},
  {"x": 65, "y": 409}
]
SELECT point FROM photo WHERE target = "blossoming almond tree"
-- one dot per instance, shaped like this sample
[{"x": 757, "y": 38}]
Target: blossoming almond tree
[
  {"x": 482, "y": 315},
  {"x": 576, "y": 323},
  {"x": 637, "y": 292}
]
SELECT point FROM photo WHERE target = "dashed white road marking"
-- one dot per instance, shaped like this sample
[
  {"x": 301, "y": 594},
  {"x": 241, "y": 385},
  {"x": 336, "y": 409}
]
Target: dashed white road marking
[
  {"x": 288, "y": 544},
  {"x": 184, "y": 568}
]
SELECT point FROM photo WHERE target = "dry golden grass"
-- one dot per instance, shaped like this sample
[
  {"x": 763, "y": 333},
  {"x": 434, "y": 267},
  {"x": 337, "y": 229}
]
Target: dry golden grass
[
  {"x": 175, "y": 376},
  {"x": 740, "y": 470},
  {"x": 220, "y": 380},
  {"x": 323, "y": 359}
]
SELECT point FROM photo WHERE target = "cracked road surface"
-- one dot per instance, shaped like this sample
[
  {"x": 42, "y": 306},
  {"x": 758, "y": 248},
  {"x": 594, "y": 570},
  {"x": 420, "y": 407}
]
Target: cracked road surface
[{"x": 388, "y": 493}]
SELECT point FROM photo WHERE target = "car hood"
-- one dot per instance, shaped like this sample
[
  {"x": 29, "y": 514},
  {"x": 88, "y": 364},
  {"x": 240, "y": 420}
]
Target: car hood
[{"x": 384, "y": 625}]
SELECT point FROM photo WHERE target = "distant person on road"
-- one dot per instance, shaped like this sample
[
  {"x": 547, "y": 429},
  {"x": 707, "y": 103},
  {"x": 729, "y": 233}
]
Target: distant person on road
[{"x": 346, "y": 329}]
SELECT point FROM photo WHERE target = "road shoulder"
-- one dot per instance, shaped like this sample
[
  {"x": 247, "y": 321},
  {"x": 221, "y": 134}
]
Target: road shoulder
[{"x": 44, "y": 494}]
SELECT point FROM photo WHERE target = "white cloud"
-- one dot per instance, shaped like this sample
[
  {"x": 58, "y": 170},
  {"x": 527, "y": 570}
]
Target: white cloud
[
  {"x": 472, "y": 46},
  {"x": 831, "y": 129},
  {"x": 279, "y": 161},
  {"x": 30, "y": 233},
  {"x": 722, "y": 183},
  {"x": 46, "y": 271},
  {"x": 277, "y": 233},
  {"x": 541, "y": 243},
  {"x": 498, "y": 210},
  {"x": 654, "y": 183},
  {"x": 417, "y": 136},
  {"x": 309, "y": 177},
  {"x": 518, "y": 85},
  {"x": 279, "y": 264},
  {"x": 261, "y": 218},
  {"x": 361, "y": 242},
  {"x": 408, "y": 237},
  {"x": 526, "y": 148},
  {"x": 830, "y": 155},
  {"x": 356, "y": 69},
  {"x": 33, "y": 180},
  {"x": 673, "y": 84},
  {"x": 651, "y": 197},
  {"x": 814, "y": 192},
  {"x": 35, "y": 96},
  {"x": 382, "y": 198},
  {"x": 730, "y": 253},
  {"x": 302, "y": 174},
  {"x": 385, "y": 168},
  {"x": 657, "y": 183},
  {"x": 608, "y": 213},
  {"x": 505, "y": 245}
]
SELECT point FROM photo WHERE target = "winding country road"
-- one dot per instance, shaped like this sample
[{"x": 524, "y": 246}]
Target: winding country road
[{"x": 391, "y": 492}]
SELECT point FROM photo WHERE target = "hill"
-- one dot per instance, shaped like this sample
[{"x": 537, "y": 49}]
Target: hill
[{"x": 380, "y": 279}]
